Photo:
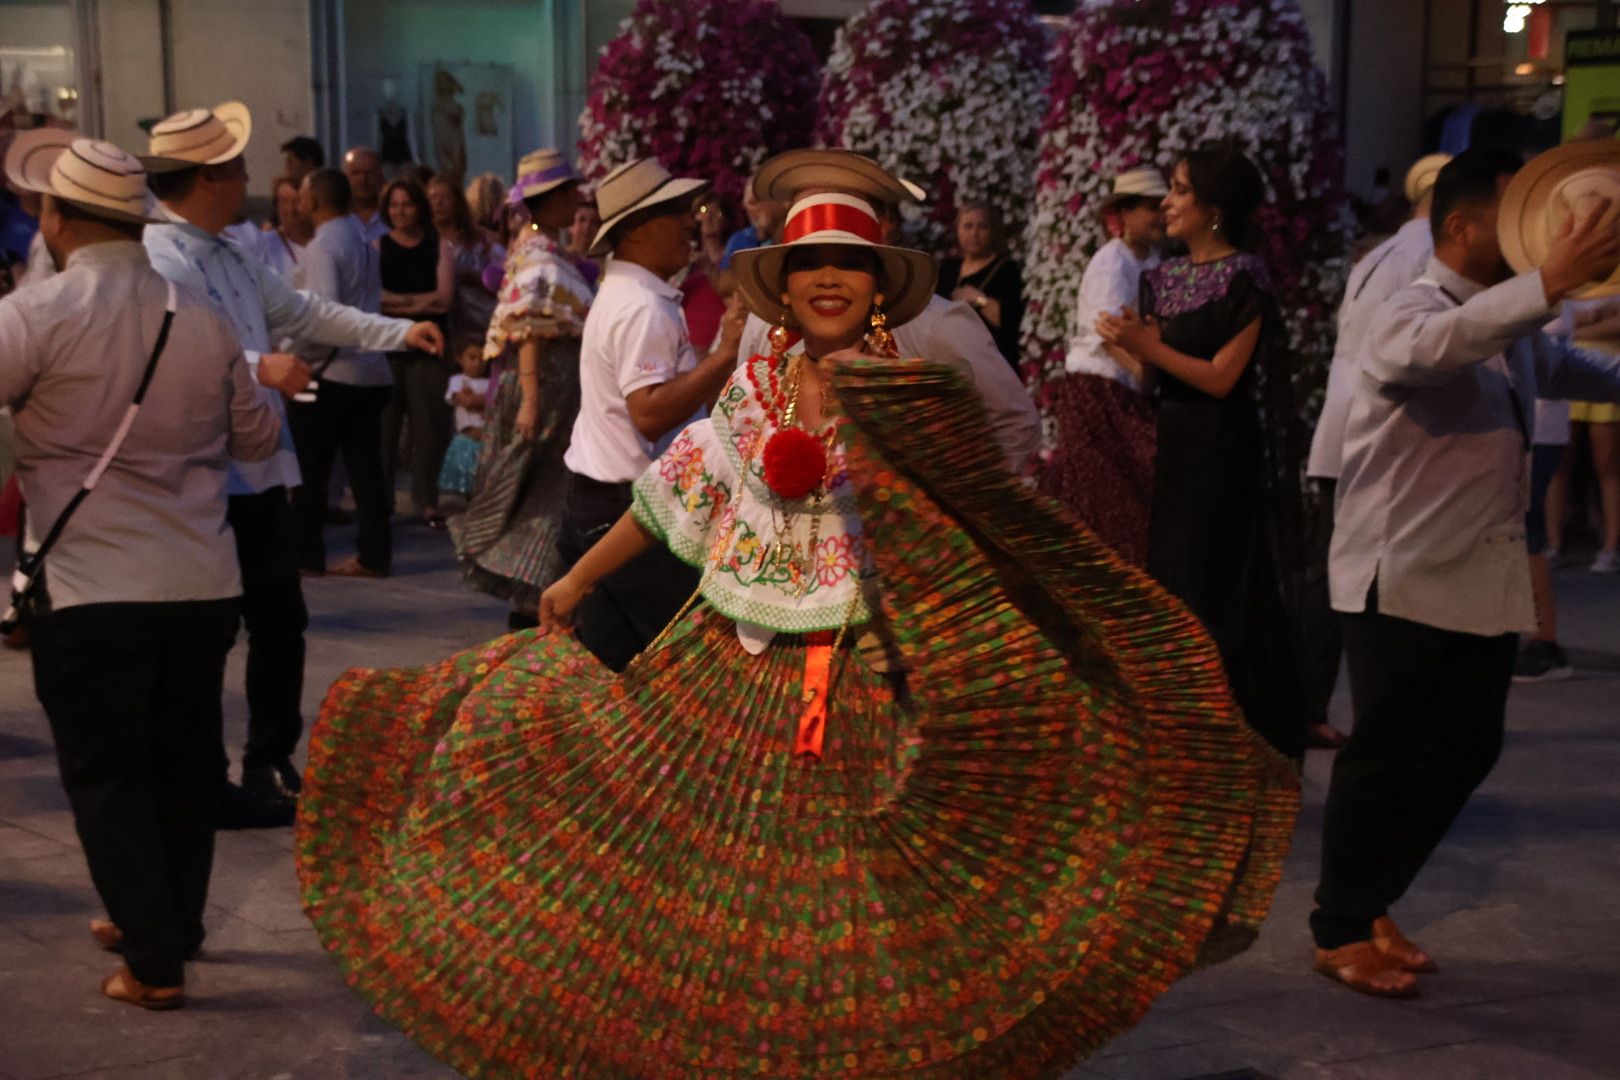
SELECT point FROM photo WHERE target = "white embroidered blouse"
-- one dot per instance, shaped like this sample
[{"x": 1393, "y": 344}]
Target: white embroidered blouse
[{"x": 773, "y": 565}]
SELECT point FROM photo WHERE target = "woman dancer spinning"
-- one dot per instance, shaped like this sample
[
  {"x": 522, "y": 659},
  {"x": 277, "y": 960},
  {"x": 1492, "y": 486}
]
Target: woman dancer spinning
[{"x": 924, "y": 780}]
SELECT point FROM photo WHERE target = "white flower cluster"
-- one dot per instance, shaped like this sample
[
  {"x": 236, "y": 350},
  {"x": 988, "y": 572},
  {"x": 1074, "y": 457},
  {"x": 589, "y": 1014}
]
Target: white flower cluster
[
  {"x": 1209, "y": 83},
  {"x": 962, "y": 122}
]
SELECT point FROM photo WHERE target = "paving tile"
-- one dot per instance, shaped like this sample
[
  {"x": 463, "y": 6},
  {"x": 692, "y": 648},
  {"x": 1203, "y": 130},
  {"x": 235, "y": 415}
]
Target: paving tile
[
  {"x": 1470, "y": 1061},
  {"x": 19, "y": 844}
]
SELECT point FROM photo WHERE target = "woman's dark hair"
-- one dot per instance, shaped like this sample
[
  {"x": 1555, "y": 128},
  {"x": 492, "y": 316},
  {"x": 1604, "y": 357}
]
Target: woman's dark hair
[
  {"x": 424, "y": 213},
  {"x": 1226, "y": 180}
]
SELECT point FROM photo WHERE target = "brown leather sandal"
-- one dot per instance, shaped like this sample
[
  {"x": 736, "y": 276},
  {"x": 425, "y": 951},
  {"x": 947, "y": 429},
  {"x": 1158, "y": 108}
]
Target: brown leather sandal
[
  {"x": 123, "y": 986},
  {"x": 1363, "y": 967},
  {"x": 1390, "y": 941},
  {"x": 107, "y": 934}
]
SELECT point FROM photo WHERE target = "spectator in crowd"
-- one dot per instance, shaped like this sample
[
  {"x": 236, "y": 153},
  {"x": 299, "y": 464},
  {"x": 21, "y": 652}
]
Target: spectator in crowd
[
  {"x": 985, "y": 277},
  {"x": 765, "y": 219},
  {"x": 486, "y": 200},
  {"x": 198, "y": 174},
  {"x": 581, "y": 234},
  {"x": 419, "y": 281},
  {"x": 354, "y": 387},
  {"x": 283, "y": 243},
  {"x": 300, "y": 156},
  {"x": 705, "y": 288},
  {"x": 1102, "y": 465},
  {"x": 640, "y": 381},
  {"x": 466, "y": 392},
  {"x": 1431, "y": 505},
  {"x": 141, "y": 606},
  {"x": 471, "y": 252},
  {"x": 363, "y": 169}
]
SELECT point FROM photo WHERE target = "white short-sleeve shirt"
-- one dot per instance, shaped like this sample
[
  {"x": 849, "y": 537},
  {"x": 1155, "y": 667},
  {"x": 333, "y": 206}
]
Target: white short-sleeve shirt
[{"x": 635, "y": 336}]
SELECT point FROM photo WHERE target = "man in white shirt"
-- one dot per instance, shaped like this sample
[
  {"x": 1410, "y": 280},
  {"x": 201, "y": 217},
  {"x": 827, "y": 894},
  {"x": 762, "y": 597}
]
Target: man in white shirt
[
  {"x": 353, "y": 389},
  {"x": 363, "y": 169},
  {"x": 197, "y": 172},
  {"x": 1113, "y": 277},
  {"x": 640, "y": 383},
  {"x": 1382, "y": 272},
  {"x": 1428, "y": 563}
]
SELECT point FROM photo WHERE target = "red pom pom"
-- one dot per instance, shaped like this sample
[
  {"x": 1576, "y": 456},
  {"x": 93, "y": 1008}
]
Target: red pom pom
[{"x": 795, "y": 463}]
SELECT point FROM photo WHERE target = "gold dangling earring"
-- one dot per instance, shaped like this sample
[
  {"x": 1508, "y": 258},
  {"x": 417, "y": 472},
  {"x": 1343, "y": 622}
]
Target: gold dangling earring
[
  {"x": 779, "y": 336},
  {"x": 879, "y": 342}
]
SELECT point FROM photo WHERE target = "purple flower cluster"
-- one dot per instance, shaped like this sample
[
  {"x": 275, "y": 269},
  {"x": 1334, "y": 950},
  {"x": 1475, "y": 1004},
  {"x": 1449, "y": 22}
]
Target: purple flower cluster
[{"x": 710, "y": 88}]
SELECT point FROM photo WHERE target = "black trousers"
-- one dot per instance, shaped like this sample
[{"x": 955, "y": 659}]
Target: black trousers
[
  {"x": 417, "y": 408},
  {"x": 348, "y": 420},
  {"x": 274, "y": 614},
  {"x": 132, "y": 693},
  {"x": 631, "y": 606},
  {"x": 1430, "y": 706}
]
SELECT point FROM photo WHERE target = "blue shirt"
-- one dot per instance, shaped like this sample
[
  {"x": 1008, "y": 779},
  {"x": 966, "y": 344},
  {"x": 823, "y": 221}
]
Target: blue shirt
[{"x": 741, "y": 240}]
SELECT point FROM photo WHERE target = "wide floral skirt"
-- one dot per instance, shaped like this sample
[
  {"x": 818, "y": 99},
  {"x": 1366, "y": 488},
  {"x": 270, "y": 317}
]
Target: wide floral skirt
[
  {"x": 1009, "y": 846},
  {"x": 1102, "y": 466}
]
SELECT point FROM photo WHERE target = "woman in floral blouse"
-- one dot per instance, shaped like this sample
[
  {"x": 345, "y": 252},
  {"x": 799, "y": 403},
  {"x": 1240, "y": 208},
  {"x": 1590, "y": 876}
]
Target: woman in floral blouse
[
  {"x": 921, "y": 781},
  {"x": 507, "y": 538}
]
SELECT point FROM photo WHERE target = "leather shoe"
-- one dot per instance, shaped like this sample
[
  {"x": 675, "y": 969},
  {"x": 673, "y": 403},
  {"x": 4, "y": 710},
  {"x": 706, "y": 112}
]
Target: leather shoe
[
  {"x": 240, "y": 808},
  {"x": 267, "y": 782},
  {"x": 291, "y": 778}
]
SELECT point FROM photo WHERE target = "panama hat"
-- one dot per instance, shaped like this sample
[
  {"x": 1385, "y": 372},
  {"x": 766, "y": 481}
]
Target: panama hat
[
  {"x": 95, "y": 177},
  {"x": 541, "y": 171},
  {"x": 635, "y": 186},
  {"x": 199, "y": 137},
  {"x": 784, "y": 176},
  {"x": 1565, "y": 181},
  {"x": 1421, "y": 176},
  {"x": 1143, "y": 183},
  {"x": 847, "y": 220}
]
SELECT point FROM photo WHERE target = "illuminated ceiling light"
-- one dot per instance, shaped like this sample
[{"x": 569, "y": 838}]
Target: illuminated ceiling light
[{"x": 1525, "y": 68}]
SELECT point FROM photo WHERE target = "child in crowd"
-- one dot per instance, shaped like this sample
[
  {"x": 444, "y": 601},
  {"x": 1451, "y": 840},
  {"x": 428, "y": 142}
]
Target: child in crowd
[{"x": 466, "y": 393}]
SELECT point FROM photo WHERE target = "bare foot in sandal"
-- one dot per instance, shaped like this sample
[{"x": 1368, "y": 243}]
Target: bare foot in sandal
[
  {"x": 1389, "y": 939},
  {"x": 122, "y": 985},
  {"x": 1365, "y": 968}
]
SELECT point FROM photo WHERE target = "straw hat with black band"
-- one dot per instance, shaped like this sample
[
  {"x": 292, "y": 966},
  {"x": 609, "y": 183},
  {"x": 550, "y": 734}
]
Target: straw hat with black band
[
  {"x": 199, "y": 137},
  {"x": 633, "y": 187},
  {"x": 96, "y": 177},
  {"x": 1566, "y": 181},
  {"x": 844, "y": 220}
]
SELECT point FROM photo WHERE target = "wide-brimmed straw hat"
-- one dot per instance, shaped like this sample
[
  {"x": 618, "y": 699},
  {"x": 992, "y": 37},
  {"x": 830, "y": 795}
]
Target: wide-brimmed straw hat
[
  {"x": 845, "y": 220},
  {"x": 541, "y": 171},
  {"x": 638, "y": 185},
  {"x": 1421, "y": 176},
  {"x": 1143, "y": 183},
  {"x": 784, "y": 176},
  {"x": 96, "y": 177},
  {"x": 199, "y": 137},
  {"x": 1565, "y": 181}
]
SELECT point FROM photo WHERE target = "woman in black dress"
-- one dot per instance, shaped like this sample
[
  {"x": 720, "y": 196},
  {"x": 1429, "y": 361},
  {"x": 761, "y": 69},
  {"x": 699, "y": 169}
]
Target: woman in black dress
[
  {"x": 985, "y": 276},
  {"x": 419, "y": 281},
  {"x": 1207, "y": 321}
]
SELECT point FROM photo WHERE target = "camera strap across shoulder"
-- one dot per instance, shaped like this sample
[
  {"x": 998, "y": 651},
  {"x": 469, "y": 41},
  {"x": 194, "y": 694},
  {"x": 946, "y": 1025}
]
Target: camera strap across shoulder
[{"x": 26, "y": 575}]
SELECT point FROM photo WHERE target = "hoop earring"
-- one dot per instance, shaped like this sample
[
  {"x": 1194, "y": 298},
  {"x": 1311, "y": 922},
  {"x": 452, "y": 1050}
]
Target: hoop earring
[{"x": 879, "y": 342}]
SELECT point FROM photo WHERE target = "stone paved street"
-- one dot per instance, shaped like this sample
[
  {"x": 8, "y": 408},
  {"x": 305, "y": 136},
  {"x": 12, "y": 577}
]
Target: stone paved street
[{"x": 1519, "y": 906}]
